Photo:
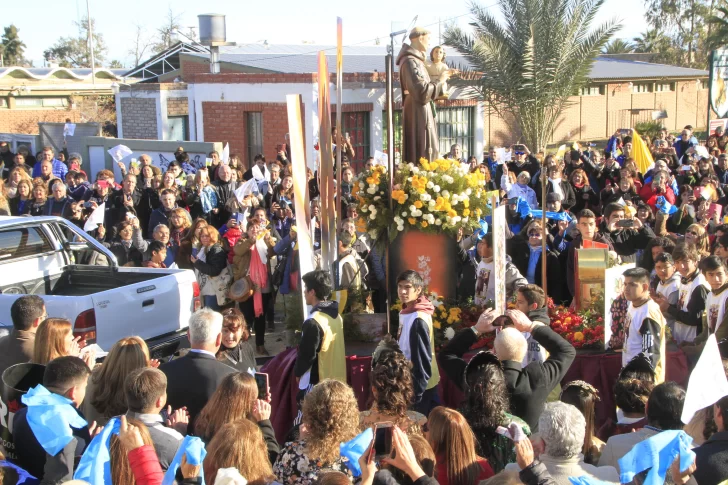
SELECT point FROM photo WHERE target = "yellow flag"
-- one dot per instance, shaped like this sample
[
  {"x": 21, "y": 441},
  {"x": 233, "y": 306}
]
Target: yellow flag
[{"x": 641, "y": 153}]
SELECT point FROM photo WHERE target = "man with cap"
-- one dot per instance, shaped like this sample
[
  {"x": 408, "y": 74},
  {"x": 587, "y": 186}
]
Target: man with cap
[
  {"x": 522, "y": 159},
  {"x": 418, "y": 96}
]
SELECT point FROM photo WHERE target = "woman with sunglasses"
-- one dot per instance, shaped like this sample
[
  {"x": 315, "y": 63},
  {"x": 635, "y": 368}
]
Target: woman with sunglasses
[{"x": 236, "y": 349}]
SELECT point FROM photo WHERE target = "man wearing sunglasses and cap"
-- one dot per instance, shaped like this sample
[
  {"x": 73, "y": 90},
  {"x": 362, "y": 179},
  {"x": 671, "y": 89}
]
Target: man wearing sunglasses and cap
[{"x": 522, "y": 159}]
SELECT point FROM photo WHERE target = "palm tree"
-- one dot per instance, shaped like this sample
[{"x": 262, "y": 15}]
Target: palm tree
[
  {"x": 718, "y": 24},
  {"x": 618, "y": 46},
  {"x": 529, "y": 65},
  {"x": 651, "y": 41}
]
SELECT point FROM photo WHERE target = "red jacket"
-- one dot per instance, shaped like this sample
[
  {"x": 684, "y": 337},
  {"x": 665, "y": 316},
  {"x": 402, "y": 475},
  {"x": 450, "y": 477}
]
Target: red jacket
[
  {"x": 650, "y": 197},
  {"x": 145, "y": 466}
]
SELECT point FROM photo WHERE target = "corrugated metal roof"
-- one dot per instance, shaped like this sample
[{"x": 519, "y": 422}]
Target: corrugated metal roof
[
  {"x": 46, "y": 72},
  {"x": 302, "y": 59}
]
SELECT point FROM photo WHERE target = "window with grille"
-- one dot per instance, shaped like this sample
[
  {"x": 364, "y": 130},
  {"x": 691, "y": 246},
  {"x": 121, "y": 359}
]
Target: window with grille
[
  {"x": 664, "y": 87},
  {"x": 356, "y": 124},
  {"x": 642, "y": 87},
  {"x": 254, "y": 134},
  {"x": 41, "y": 102},
  {"x": 456, "y": 126}
]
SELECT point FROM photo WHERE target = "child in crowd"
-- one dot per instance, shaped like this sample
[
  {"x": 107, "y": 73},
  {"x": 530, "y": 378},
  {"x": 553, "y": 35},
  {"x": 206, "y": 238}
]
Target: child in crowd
[
  {"x": 158, "y": 250},
  {"x": 417, "y": 341},
  {"x": 646, "y": 331},
  {"x": 714, "y": 271},
  {"x": 688, "y": 311},
  {"x": 668, "y": 286}
]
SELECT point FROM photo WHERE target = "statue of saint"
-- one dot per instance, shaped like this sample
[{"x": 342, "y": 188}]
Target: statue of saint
[
  {"x": 418, "y": 96},
  {"x": 436, "y": 67}
]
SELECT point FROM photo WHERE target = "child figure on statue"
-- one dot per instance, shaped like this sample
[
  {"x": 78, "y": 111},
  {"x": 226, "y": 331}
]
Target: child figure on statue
[{"x": 417, "y": 340}]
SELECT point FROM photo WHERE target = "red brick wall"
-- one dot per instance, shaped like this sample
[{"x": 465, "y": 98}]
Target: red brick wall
[
  {"x": 226, "y": 122},
  {"x": 25, "y": 121}
]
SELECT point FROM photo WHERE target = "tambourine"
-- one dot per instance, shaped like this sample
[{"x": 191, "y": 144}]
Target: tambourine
[{"x": 241, "y": 289}]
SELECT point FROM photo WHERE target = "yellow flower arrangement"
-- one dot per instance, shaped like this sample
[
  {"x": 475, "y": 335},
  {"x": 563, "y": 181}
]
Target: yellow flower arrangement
[{"x": 438, "y": 196}]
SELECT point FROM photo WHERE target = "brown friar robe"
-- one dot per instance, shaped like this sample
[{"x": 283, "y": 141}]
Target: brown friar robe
[{"x": 418, "y": 93}]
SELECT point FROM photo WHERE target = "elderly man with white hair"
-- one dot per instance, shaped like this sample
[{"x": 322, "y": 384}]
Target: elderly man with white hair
[
  {"x": 561, "y": 429},
  {"x": 192, "y": 379},
  {"x": 528, "y": 386}
]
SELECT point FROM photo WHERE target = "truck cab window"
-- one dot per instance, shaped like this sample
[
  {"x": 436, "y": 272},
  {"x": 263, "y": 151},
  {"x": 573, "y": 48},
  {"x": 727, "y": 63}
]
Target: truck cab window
[{"x": 22, "y": 242}]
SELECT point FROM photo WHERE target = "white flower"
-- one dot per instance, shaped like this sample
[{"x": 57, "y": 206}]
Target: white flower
[
  {"x": 371, "y": 191},
  {"x": 400, "y": 227},
  {"x": 431, "y": 203},
  {"x": 372, "y": 208},
  {"x": 412, "y": 208},
  {"x": 417, "y": 213},
  {"x": 415, "y": 170},
  {"x": 404, "y": 214},
  {"x": 361, "y": 185},
  {"x": 436, "y": 189},
  {"x": 372, "y": 216},
  {"x": 429, "y": 185},
  {"x": 454, "y": 201},
  {"x": 465, "y": 219},
  {"x": 377, "y": 197},
  {"x": 373, "y": 233},
  {"x": 445, "y": 193},
  {"x": 449, "y": 333},
  {"x": 468, "y": 191},
  {"x": 364, "y": 208},
  {"x": 409, "y": 179},
  {"x": 438, "y": 222}
]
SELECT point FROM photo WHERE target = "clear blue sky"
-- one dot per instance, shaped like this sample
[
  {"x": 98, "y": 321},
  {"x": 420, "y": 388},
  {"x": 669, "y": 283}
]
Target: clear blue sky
[{"x": 42, "y": 22}]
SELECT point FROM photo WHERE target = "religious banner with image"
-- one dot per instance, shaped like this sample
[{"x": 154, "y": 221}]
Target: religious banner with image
[
  {"x": 616, "y": 315},
  {"x": 499, "y": 258}
]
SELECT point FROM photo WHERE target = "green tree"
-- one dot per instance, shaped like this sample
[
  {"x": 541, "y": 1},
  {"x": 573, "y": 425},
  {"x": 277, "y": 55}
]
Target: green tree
[
  {"x": 683, "y": 21},
  {"x": 11, "y": 47},
  {"x": 74, "y": 51},
  {"x": 529, "y": 65},
  {"x": 116, "y": 64},
  {"x": 618, "y": 46},
  {"x": 718, "y": 29}
]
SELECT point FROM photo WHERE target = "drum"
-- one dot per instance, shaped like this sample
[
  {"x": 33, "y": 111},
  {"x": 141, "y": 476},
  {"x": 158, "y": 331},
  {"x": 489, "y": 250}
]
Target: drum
[{"x": 241, "y": 290}]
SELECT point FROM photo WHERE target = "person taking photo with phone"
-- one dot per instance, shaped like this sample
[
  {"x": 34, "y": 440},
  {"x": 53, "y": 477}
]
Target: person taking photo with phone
[{"x": 627, "y": 236}]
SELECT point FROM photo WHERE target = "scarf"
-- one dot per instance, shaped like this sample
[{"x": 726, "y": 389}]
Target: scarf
[
  {"x": 556, "y": 186},
  {"x": 657, "y": 454},
  {"x": 95, "y": 464},
  {"x": 421, "y": 304},
  {"x": 51, "y": 417},
  {"x": 191, "y": 448},
  {"x": 259, "y": 276}
]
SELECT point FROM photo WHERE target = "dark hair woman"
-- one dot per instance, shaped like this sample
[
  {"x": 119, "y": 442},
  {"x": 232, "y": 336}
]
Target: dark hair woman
[
  {"x": 236, "y": 349},
  {"x": 391, "y": 380},
  {"x": 122, "y": 247},
  {"x": 584, "y": 397},
  {"x": 485, "y": 408}
]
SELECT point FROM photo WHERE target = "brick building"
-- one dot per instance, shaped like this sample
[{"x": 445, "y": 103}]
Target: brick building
[
  {"x": 49, "y": 94},
  {"x": 244, "y": 105}
]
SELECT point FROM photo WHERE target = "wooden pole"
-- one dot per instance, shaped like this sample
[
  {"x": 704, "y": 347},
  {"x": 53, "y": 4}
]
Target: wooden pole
[
  {"x": 544, "y": 232},
  {"x": 326, "y": 170},
  {"x": 339, "y": 115},
  {"x": 390, "y": 171}
]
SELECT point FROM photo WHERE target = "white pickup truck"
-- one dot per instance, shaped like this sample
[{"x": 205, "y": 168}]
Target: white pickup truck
[{"x": 43, "y": 255}]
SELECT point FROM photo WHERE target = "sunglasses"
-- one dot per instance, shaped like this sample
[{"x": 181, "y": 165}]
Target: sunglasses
[{"x": 534, "y": 234}]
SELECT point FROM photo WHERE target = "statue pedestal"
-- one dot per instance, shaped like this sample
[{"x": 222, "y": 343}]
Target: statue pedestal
[{"x": 433, "y": 256}]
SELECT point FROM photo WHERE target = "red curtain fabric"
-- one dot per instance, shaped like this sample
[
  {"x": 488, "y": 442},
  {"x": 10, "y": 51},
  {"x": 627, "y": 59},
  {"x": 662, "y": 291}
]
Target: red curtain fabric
[{"x": 600, "y": 370}]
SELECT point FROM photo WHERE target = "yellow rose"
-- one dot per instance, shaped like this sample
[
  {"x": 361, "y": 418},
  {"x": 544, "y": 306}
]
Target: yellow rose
[
  {"x": 412, "y": 221},
  {"x": 578, "y": 336},
  {"x": 418, "y": 204},
  {"x": 466, "y": 212},
  {"x": 424, "y": 224},
  {"x": 436, "y": 323},
  {"x": 370, "y": 180}
]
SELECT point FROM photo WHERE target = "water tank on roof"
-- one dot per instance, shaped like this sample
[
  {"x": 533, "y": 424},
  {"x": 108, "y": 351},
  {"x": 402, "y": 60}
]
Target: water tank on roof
[{"x": 212, "y": 28}]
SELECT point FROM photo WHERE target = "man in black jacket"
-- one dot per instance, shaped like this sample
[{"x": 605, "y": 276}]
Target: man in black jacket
[
  {"x": 161, "y": 214},
  {"x": 528, "y": 386},
  {"x": 531, "y": 300},
  {"x": 626, "y": 240},
  {"x": 526, "y": 255},
  {"x": 225, "y": 187},
  {"x": 192, "y": 379},
  {"x": 711, "y": 458},
  {"x": 68, "y": 377}
]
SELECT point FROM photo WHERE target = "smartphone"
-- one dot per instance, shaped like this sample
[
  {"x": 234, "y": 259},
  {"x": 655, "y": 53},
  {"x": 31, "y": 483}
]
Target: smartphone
[
  {"x": 503, "y": 321},
  {"x": 625, "y": 223},
  {"x": 519, "y": 148},
  {"x": 624, "y": 131},
  {"x": 383, "y": 439},
  {"x": 87, "y": 205},
  {"x": 685, "y": 168},
  {"x": 261, "y": 379},
  {"x": 714, "y": 208}
]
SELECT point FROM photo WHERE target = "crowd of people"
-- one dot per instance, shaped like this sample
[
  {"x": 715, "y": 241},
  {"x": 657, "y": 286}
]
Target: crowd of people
[{"x": 203, "y": 416}]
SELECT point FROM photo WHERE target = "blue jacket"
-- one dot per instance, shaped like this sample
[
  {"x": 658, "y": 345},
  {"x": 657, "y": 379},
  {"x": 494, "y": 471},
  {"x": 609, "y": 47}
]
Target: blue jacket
[
  {"x": 285, "y": 247},
  {"x": 59, "y": 169},
  {"x": 679, "y": 151}
]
